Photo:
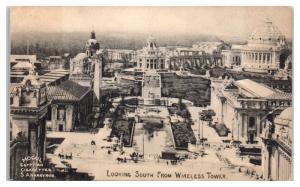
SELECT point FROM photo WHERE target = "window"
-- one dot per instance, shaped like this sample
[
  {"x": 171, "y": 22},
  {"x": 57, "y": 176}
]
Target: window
[
  {"x": 251, "y": 122},
  {"x": 261, "y": 125}
]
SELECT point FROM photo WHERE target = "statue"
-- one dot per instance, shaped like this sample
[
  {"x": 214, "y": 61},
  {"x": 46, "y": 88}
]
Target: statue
[
  {"x": 267, "y": 130},
  {"x": 207, "y": 74}
]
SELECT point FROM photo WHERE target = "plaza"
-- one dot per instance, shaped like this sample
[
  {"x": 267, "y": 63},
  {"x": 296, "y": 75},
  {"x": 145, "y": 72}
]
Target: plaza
[{"x": 106, "y": 157}]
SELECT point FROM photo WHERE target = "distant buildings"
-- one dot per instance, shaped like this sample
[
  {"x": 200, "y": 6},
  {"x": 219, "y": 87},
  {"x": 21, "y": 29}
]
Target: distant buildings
[
  {"x": 119, "y": 55},
  {"x": 55, "y": 62},
  {"x": 183, "y": 57},
  {"x": 175, "y": 58},
  {"x": 266, "y": 51},
  {"x": 232, "y": 56},
  {"x": 20, "y": 70},
  {"x": 243, "y": 105},
  {"x": 14, "y": 59},
  {"x": 212, "y": 48},
  {"x": 150, "y": 57},
  {"x": 277, "y": 147}
]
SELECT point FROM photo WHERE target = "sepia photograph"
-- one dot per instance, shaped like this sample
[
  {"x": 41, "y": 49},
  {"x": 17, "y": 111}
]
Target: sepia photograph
[{"x": 156, "y": 93}]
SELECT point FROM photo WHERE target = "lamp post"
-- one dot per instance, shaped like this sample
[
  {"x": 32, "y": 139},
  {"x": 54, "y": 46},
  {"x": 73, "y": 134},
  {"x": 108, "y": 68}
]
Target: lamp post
[
  {"x": 201, "y": 118},
  {"x": 143, "y": 145},
  {"x": 232, "y": 129},
  {"x": 199, "y": 140},
  {"x": 202, "y": 138}
]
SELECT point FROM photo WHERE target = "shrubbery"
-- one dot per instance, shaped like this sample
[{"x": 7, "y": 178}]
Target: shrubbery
[{"x": 183, "y": 134}]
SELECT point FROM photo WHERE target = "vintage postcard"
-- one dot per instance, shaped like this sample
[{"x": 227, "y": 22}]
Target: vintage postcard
[{"x": 150, "y": 93}]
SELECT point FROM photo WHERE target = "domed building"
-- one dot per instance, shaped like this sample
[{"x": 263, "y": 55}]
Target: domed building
[
  {"x": 83, "y": 65},
  {"x": 277, "y": 147},
  {"x": 266, "y": 50},
  {"x": 151, "y": 57},
  {"x": 86, "y": 67}
]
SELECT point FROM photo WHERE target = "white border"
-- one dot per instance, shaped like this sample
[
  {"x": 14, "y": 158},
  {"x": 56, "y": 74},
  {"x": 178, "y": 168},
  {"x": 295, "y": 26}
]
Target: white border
[{"x": 3, "y": 78}]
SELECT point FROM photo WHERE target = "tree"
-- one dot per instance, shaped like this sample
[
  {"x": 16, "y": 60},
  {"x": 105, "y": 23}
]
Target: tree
[{"x": 206, "y": 115}]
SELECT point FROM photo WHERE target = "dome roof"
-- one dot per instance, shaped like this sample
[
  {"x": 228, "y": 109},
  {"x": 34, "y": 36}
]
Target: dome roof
[
  {"x": 34, "y": 80},
  {"x": 92, "y": 41},
  {"x": 80, "y": 57},
  {"x": 23, "y": 65},
  {"x": 267, "y": 33},
  {"x": 285, "y": 117},
  {"x": 151, "y": 39}
]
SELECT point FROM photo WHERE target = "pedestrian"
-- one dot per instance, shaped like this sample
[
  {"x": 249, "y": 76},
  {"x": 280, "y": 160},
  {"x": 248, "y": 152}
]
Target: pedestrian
[
  {"x": 248, "y": 172},
  {"x": 167, "y": 163}
]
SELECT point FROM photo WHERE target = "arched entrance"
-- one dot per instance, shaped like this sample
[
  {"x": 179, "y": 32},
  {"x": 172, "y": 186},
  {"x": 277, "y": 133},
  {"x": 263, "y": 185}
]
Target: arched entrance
[
  {"x": 252, "y": 129},
  {"x": 283, "y": 59}
]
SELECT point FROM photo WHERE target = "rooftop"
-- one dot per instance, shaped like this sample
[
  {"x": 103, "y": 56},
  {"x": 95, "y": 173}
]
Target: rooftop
[
  {"x": 67, "y": 91},
  {"x": 16, "y": 58},
  {"x": 256, "y": 89},
  {"x": 285, "y": 117}
]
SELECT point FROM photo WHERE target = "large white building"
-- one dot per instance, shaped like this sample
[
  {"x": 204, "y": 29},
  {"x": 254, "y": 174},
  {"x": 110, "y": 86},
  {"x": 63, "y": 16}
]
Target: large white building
[
  {"x": 266, "y": 51},
  {"x": 232, "y": 57},
  {"x": 151, "y": 57},
  {"x": 243, "y": 105}
]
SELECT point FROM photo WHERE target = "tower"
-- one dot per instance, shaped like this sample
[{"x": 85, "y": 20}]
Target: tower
[
  {"x": 97, "y": 78},
  {"x": 151, "y": 43},
  {"x": 92, "y": 45}
]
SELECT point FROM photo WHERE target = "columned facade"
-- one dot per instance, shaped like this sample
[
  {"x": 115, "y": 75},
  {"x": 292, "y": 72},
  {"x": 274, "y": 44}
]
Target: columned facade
[
  {"x": 62, "y": 117},
  {"x": 264, "y": 49},
  {"x": 277, "y": 147},
  {"x": 242, "y": 109},
  {"x": 151, "y": 57}
]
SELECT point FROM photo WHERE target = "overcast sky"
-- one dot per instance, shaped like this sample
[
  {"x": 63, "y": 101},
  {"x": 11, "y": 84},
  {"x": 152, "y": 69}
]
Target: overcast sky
[{"x": 220, "y": 21}]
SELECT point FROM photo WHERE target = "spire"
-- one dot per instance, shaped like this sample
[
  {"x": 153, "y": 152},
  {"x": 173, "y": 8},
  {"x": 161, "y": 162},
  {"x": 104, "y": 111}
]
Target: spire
[{"x": 93, "y": 34}]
